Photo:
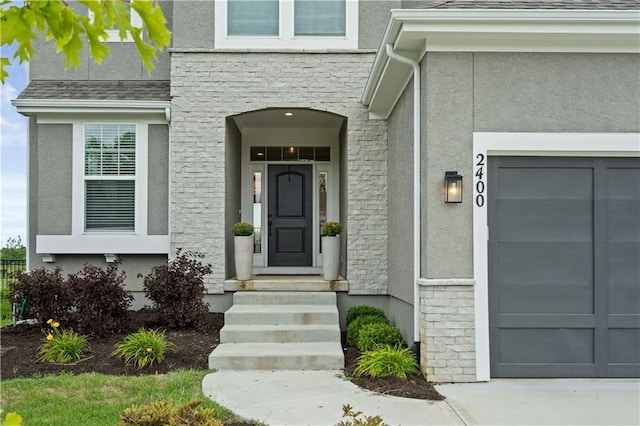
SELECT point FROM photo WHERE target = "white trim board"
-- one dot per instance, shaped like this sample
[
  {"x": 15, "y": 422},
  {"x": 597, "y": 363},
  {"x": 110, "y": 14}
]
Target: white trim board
[
  {"x": 525, "y": 144},
  {"x": 102, "y": 244}
]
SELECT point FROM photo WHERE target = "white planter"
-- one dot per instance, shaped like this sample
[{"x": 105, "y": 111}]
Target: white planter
[
  {"x": 243, "y": 256},
  {"x": 330, "y": 257}
]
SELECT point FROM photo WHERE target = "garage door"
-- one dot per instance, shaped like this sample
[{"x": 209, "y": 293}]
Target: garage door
[{"x": 564, "y": 267}]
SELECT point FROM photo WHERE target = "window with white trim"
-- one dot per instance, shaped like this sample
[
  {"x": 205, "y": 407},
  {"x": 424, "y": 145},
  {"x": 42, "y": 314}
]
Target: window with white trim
[
  {"x": 113, "y": 35},
  {"x": 286, "y": 24},
  {"x": 109, "y": 177}
]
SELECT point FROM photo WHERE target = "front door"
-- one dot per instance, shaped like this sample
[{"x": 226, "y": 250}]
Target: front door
[{"x": 290, "y": 215}]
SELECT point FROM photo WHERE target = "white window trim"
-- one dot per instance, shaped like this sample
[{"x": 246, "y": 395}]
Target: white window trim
[
  {"x": 525, "y": 144},
  {"x": 141, "y": 178},
  {"x": 286, "y": 40},
  {"x": 113, "y": 36}
]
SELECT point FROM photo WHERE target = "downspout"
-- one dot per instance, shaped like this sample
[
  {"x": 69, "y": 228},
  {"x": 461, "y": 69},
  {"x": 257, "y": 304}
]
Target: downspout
[{"x": 417, "y": 237}]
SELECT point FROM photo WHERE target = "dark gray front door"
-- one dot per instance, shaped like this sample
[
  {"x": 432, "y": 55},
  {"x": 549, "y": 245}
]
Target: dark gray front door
[
  {"x": 564, "y": 267},
  {"x": 290, "y": 215}
]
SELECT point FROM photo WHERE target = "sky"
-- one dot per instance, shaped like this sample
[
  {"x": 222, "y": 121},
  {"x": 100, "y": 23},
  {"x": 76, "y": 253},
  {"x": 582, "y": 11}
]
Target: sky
[{"x": 13, "y": 154}]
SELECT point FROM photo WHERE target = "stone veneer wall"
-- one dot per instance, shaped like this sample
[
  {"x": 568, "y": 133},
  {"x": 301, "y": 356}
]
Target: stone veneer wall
[
  {"x": 447, "y": 330},
  {"x": 207, "y": 87}
]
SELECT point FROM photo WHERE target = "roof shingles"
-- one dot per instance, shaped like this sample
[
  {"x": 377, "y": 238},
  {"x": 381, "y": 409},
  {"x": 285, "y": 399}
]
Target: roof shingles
[{"x": 142, "y": 90}]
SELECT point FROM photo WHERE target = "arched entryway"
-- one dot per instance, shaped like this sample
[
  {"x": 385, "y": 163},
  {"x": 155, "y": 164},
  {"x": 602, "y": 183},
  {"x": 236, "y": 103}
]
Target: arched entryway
[{"x": 283, "y": 174}]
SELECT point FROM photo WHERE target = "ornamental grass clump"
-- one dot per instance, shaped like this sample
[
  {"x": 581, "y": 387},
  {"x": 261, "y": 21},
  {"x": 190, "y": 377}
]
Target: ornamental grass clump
[
  {"x": 353, "y": 330},
  {"x": 164, "y": 413},
  {"x": 385, "y": 361},
  {"x": 378, "y": 334},
  {"x": 242, "y": 229},
  {"x": 62, "y": 346},
  {"x": 143, "y": 348},
  {"x": 363, "y": 310}
]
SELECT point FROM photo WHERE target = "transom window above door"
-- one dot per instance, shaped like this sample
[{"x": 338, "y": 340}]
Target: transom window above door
[
  {"x": 290, "y": 153},
  {"x": 286, "y": 24}
]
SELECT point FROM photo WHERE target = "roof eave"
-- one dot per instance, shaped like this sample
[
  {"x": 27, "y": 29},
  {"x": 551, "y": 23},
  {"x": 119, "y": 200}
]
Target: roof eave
[
  {"x": 40, "y": 106},
  {"x": 415, "y": 32}
]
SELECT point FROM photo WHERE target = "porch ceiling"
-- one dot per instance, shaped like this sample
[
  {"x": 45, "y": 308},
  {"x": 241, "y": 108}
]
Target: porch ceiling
[{"x": 301, "y": 118}]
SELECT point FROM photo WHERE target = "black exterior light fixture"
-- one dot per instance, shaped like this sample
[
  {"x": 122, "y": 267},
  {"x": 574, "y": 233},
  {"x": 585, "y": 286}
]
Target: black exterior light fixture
[{"x": 452, "y": 187}]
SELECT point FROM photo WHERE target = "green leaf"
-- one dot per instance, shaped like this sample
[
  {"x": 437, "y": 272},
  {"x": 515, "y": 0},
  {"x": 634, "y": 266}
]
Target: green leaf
[
  {"x": 12, "y": 419},
  {"x": 4, "y": 62}
]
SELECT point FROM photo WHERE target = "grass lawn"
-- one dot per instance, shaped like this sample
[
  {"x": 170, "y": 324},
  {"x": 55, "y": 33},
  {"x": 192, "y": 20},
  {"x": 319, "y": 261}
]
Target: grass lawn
[
  {"x": 97, "y": 399},
  {"x": 5, "y": 307}
]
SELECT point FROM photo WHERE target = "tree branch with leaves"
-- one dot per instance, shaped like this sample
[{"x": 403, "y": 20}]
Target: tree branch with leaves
[{"x": 72, "y": 29}]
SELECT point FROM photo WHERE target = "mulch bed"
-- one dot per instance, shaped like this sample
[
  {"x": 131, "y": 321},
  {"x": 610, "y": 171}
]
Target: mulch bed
[{"x": 19, "y": 345}]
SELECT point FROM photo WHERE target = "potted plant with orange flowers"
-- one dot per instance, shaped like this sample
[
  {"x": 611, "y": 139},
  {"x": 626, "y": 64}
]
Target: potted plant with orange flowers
[
  {"x": 243, "y": 249},
  {"x": 331, "y": 250}
]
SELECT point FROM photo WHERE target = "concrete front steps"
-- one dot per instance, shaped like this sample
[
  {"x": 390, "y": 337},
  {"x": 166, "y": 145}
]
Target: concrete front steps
[{"x": 280, "y": 331}]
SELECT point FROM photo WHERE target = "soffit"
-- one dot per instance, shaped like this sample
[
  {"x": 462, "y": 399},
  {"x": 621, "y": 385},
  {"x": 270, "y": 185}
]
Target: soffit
[{"x": 275, "y": 118}]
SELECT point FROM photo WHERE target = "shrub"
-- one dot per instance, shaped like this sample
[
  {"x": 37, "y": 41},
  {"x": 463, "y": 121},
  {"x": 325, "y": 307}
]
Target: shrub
[
  {"x": 331, "y": 229},
  {"x": 357, "y": 418},
  {"x": 143, "y": 348},
  {"x": 242, "y": 229},
  {"x": 353, "y": 331},
  {"x": 42, "y": 294},
  {"x": 63, "y": 346},
  {"x": 163, "y": 413},
  {"x": 363, "y": 310},
  {"x": 387, "y": 361},
  {"x": 376, "y": 334},
  {"x": 100, "y": 299},
  {"x": 177, "y": 290}
]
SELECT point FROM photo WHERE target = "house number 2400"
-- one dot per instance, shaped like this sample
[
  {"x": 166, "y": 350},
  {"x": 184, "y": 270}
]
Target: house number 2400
[{"x": 480, "y": 182}]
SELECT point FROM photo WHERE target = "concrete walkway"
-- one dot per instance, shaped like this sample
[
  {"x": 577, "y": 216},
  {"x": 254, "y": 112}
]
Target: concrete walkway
[{"x": 317, "y": 397}]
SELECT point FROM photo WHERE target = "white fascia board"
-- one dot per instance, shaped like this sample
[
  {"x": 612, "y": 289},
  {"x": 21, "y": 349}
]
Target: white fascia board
[
  {"x": 102, "y": 244},
  {"x": 43, "y": 106},
  {"x": 414, "y": 32}
]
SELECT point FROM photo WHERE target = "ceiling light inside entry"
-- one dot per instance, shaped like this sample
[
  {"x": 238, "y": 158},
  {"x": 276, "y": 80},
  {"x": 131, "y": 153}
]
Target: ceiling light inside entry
[{"x": 288, "y": 114}]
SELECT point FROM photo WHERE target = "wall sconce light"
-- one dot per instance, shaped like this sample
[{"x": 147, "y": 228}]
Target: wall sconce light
[{"x": 452, "y": 187}]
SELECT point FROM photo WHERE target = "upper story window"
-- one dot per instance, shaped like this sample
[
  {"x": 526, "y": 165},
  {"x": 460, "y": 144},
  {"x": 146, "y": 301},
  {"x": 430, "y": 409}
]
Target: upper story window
[
  {"x": 287, "y": 24},
  {"x": 113, "y": 34}
]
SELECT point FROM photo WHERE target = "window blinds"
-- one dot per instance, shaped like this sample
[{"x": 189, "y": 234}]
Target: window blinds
[{"x": 109, "y": 167}]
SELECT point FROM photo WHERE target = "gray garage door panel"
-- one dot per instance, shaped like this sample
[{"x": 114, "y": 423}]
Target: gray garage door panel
[{"x": 564, "y": 267}]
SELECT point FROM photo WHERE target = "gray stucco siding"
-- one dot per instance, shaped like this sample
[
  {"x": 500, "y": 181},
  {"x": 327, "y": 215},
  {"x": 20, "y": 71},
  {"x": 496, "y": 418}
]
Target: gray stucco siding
[
  {"x": 400, "y": 193},
  {"x": 553, "y": 92},
  {"x": 233, "y": 139},
  {"x": 54, "y": 168},
  {"x": 372, "y": 19},
  {"x": 447, "y": 127},
  {"x": 193, "y": 25},
  {"x": 131, "y": 265},
  {"x": 123, "y": 63},
  {"x": 32, "y": 191},
  {"x": 158, "y": 180}
]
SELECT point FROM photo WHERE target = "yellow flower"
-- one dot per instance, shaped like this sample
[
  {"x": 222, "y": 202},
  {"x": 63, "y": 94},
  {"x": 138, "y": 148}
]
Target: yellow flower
[
  {"x": 49, "y": 321},
  {"x": 149, "y": 350},
  {"x": 55, "y": 324},
  {"x": 49, "y": 336}
]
